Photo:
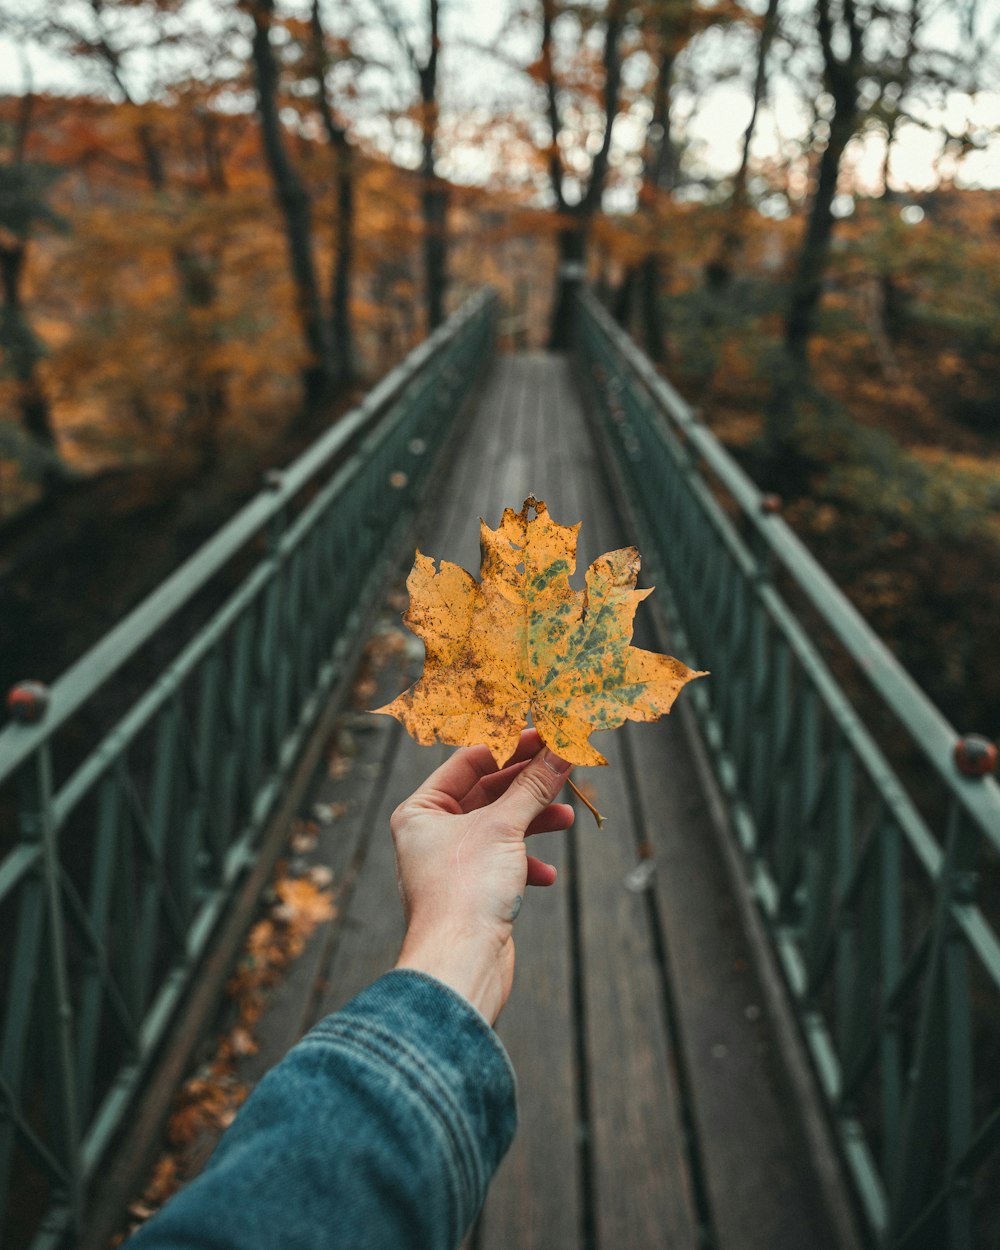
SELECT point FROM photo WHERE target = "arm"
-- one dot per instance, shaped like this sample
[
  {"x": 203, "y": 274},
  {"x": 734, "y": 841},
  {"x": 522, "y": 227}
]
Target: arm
[{"x": 383, "y": 1127}]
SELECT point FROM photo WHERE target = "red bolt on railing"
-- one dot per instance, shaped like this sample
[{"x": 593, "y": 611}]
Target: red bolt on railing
[
  {"x": 771, "y": 504},
  {"x": 975, "y": 756},
  {"x": 27, "y": 701}
]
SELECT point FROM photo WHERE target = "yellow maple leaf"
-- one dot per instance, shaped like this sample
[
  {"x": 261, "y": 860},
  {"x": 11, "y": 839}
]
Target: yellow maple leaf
[{"x": 523, "y": 640}]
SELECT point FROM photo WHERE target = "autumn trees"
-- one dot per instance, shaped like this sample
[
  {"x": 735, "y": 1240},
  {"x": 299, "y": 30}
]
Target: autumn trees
[{"x": 263, "y": 199}]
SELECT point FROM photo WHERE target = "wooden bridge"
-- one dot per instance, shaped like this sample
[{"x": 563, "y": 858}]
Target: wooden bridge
[{"x": 757, "y": 1010}]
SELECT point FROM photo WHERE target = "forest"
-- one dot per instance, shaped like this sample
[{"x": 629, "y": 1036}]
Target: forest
[{"x": 221, "y": 222}]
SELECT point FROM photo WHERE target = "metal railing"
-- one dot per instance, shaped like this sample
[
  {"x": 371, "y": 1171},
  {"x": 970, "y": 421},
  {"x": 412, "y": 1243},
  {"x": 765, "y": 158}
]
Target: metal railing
[
  {"x": 872, "y": 901},
  {"x": 122, "y": 862}
]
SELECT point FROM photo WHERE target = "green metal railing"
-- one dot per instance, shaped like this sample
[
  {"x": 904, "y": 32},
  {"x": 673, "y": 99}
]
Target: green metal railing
[
  {"x": 122, "y": 862},
  {"x": 873, "y": 902}
]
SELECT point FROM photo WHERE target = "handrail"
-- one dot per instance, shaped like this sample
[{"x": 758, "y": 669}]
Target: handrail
[
  {"x": 891, "y": 959},
  {"x": 125, "y": 861}
]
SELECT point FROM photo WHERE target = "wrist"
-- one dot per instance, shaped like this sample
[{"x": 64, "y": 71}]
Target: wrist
[{"x": 468, "y": 965}]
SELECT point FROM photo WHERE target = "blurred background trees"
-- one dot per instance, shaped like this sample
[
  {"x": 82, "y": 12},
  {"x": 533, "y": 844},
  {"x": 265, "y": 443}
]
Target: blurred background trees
[{"x": 218, "y": 222}]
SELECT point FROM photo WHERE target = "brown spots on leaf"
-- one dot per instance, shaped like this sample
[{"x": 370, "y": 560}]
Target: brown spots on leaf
[{"x": 522, "y": 637}]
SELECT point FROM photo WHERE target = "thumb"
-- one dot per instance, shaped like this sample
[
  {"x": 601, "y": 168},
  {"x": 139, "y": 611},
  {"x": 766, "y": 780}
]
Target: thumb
[{"x": 533, "y": 789}]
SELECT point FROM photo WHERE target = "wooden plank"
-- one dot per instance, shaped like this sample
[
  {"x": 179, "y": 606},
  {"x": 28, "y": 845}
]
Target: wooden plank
[
  {"x": 642, "y": 1184},
  {"x": 763, "y": 1192},
  {"x": 370, "y": 937},
  {"x": 534, "y": 1201}
]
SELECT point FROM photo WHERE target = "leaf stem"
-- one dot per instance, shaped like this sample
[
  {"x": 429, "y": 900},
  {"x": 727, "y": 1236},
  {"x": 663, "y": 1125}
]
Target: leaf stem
[{"x": 587, "y": 803}]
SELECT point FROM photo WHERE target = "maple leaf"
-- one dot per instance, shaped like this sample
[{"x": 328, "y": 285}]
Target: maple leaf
[{"x": 523, "y": 640}]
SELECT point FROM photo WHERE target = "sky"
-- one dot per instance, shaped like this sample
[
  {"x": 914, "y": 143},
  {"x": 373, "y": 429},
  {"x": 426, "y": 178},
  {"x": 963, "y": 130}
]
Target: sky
[{"x": 711, "y": 118}]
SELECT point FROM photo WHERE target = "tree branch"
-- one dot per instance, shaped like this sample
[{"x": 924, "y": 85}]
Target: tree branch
[
  {"x": 394, "y": 25},
  {"x": 552, "y": 94},
  {"x": 612, "y": 86}
]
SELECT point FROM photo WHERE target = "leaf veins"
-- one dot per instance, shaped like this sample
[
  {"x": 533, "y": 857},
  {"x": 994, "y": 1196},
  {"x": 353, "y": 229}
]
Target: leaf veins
[{"x": 522, "y": 641}]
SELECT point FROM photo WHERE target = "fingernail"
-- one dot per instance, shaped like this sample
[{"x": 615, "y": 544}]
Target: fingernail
[{"x": 555, "y": 763}]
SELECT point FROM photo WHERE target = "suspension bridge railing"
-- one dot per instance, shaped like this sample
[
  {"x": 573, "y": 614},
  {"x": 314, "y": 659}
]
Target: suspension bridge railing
[
  {"x": 874, "y": 900},
  {"x": 120, "y": 854}
]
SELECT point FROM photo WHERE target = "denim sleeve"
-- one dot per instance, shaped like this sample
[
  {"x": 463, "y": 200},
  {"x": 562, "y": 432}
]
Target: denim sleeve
[{"x": 380, "y": 1130}]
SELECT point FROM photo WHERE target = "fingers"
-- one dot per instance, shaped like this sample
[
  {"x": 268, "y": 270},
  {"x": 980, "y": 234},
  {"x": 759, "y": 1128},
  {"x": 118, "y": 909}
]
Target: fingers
[
  {"x": 532, "y": 790},
  {"x": 459, "y": 774},
  {"x": 540, "y": 873},
  {"x": 492, "y": 786},
  {"x": 462, "y": 772},
  {"x": 527, "y": 748},
  {"x": 555, "y": 817}
]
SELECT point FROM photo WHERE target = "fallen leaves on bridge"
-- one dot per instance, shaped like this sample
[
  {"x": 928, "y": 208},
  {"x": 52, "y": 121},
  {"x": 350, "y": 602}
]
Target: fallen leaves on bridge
[
  {"x": 207, "y": 1102},
  {"x": 523, "y": 640}
]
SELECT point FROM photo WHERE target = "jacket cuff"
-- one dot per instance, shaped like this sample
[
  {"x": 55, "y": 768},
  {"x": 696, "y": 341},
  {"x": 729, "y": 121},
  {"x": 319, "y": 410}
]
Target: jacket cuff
[{"x": 444, "y": 1049}]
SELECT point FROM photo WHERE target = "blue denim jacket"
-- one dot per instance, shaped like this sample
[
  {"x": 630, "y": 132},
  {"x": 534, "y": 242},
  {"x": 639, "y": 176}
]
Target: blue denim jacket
[{"x": 380, "y": 1130}]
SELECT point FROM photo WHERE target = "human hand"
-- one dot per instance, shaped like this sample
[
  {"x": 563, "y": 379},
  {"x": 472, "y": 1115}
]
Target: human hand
[{"x": 463, "y": 867}]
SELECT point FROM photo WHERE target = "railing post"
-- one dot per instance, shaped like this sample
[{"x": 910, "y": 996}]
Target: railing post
[
  {"x": 36, "y": 824},
  {"x": 270, "y": 713},
  {"x": 940, "y": 1077}
]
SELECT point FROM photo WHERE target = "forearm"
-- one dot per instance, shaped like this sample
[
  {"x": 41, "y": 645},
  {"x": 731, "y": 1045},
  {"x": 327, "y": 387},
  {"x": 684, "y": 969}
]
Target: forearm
[{"x": 382, "y": 1128}]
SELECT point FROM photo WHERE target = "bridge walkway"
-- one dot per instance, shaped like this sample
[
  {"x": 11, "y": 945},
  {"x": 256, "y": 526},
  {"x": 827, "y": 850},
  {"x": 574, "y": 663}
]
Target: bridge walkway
[{"x": 656, "y": 1107}]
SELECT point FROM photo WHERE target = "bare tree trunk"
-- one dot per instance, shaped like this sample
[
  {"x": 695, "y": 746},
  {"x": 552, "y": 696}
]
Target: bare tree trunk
[
  {"x": 810, "y": 269},
  {"x": 434, "y": 197},
  {"x": 807, "y": 281},
  {"x": 293, "y": 199},
  {"x": 624, "y": 300},
  {"x": 572, "y": 242},
  {"x": 205, "y": 404},
  {"x": 343, "y": 333},
  {"x": 340, "y": 298},
  {"x": 643, "y": 281},
  {"x": 434, "y": 193},
  {"x": 21, "y": 347},
  {"x": 435, "y": 211},
  {"x": 215, "y": 166},
  {"x": 889, "y": 304},
  {"x": 650, "y": 304},
  {"x": 572, "y": 238},
  {"x": 719, "y": 271}
]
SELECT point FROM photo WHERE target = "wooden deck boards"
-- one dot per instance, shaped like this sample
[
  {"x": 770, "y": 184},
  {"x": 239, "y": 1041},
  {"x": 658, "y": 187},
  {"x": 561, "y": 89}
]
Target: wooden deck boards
[{"x": 652, "y": 1112}]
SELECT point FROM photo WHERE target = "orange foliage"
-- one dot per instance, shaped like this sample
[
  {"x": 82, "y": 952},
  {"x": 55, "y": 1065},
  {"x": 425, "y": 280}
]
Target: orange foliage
[{"x": 168, "y": 318}]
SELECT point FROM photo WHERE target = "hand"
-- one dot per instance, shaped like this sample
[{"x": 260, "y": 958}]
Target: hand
[{"x": 463, "y": 867}]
